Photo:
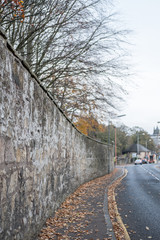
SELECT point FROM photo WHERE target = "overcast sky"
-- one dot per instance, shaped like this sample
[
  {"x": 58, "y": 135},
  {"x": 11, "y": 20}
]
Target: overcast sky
[{"x": 143, "y": 103}]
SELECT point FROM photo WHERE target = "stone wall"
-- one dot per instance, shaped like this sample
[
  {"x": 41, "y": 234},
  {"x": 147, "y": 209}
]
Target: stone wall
[{"x": 43, "y": 158}]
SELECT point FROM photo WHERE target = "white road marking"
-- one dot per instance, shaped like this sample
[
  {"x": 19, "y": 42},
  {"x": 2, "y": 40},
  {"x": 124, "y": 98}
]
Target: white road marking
[{"x": 151, "y": 174}]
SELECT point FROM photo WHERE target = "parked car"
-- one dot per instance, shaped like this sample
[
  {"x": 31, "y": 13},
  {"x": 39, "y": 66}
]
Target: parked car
[
  {"x": 144, "y": 161},
  {"x": 138, "y": 161},
  {"x": 151, "y": 159}
]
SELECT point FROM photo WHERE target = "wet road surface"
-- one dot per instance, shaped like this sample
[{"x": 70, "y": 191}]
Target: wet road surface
[{"x": 138, "y": 201}]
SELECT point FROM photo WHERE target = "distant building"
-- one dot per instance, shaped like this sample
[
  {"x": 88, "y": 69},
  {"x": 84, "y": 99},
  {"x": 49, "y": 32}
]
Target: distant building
[
  {"x": 137, "y": 151},
  {"x": 156, "y": 136}
]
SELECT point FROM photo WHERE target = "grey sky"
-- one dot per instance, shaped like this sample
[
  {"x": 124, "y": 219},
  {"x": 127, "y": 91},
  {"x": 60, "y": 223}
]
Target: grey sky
[{"x": 143, "y": 102}]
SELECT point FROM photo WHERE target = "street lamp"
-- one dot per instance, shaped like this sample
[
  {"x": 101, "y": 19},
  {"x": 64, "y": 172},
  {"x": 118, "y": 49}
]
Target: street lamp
[
  {"x": 137, "y": 144},
  {"x": 116, "y": 139},
  {"x": 149, "y": 140}
]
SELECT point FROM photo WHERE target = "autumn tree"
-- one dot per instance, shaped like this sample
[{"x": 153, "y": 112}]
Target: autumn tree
[
  {"x": 143, "y": 137},
  {"x": 125, "y": 136},
  {"x": 108, "y": 136},
  {"x": 78, "y": 98},
  {"x": 72, "y": 42},
  {"x": 11, "y": 10},
  {"x": 74, "y": 97},
  {"x": 122, "y": 133},
  {"x": 89, "y": 126}
]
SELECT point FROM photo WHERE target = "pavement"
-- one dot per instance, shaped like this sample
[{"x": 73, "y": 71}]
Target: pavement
[{"x": 84, "y": 214}]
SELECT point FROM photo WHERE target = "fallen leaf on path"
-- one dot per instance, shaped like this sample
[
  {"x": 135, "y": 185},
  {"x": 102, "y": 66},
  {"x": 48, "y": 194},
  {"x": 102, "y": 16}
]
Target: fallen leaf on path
[{"x": 73, "y": 218}]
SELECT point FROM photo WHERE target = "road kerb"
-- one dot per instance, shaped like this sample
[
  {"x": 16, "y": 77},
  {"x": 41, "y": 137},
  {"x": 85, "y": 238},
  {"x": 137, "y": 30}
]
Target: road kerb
[{"x": 114, "y": 204}]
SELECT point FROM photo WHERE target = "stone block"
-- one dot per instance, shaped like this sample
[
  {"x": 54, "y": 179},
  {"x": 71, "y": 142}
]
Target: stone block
[
  {"x": 9, "y": 156},
  {"x": 13, "y": 182},
  {"x": 2, "y": 149},
  {"x": 3, "y": 190}
]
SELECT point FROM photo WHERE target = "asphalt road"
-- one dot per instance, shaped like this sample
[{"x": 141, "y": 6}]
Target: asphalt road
[{"x": 138, "y": 201}]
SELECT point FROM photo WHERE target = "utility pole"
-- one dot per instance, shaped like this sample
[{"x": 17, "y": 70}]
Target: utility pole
[
  {"x": 137, "y": 144},
  {"x": 116, "y": 139}
]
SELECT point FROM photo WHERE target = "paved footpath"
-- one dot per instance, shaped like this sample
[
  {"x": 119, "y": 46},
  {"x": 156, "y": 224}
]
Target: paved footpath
[{"x": 84, "y": 214}]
